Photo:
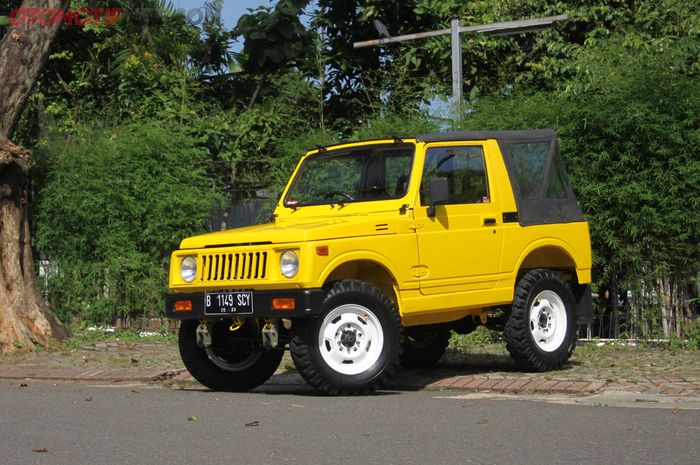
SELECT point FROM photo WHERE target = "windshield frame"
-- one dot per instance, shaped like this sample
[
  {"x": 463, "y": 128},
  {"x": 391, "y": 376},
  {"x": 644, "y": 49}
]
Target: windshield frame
[{"x": 339, "y": 152}]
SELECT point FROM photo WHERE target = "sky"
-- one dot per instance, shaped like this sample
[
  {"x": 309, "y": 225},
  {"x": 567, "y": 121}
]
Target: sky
[{"x": 233, "y": 9}]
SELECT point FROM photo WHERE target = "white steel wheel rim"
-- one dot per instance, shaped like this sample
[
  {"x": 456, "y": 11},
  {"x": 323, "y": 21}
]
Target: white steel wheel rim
[
  {"x": 351, "y": 339},
  {"x": 548, "y": 321}
]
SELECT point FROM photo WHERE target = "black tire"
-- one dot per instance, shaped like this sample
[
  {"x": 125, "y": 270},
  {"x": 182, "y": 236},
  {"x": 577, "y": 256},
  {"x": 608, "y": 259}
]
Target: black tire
[
  {"x": 466, "y": 325},
  {"x": 236, "y": 361},
  {"x": 424, "y": 346},
  {"x": 314, "y": 359},
  {"x": 521, "y": 333},
  {"x": 574, "y": 341}
]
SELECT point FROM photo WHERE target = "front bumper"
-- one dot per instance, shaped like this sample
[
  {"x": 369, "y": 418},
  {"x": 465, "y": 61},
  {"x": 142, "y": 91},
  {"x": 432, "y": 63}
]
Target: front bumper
[{"x": 308, "y": 303}]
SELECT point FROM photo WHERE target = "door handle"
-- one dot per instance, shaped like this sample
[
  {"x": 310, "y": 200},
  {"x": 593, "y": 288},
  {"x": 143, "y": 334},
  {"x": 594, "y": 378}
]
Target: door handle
[{"x": 489, "y": 221}]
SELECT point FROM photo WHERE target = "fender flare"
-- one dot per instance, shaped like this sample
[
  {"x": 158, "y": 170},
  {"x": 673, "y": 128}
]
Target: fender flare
[
  {"x": 546, "y": 242},
  {"x": 354, "y": 256}
]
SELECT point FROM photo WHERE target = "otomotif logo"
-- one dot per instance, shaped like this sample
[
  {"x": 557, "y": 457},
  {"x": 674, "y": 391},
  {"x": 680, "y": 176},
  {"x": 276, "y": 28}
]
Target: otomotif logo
[{"x": 56, "y": 16}]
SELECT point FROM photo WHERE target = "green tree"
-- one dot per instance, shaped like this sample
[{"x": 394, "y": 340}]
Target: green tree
[
  {"x": 415, "y": 71},
  {"x": 274, "y": 40},
  {"x": 25, "y": 319},
  {"x": 629, "y": 128},
  {"x": 116, "y": 202}
]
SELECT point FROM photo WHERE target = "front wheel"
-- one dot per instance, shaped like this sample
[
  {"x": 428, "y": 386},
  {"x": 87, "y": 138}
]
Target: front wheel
[
  {"x": 354, "y": 346},
  {"x": 541, "y": 327},
  {"x": 235, "y": 361}
]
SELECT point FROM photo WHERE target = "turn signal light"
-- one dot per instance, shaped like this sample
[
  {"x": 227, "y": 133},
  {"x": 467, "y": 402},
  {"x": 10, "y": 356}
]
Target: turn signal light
[
  {"x": 322, "y": 251},
  {"x": 283, "y": 303},
  {"x": 183, "y": 306}
]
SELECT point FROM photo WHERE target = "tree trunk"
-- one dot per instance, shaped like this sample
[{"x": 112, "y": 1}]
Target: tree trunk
[
  {"x": 25, "y": 320},
  {"x": 257, "y": 90},
  {"x": 678, "y": 306},
  {"x": 614, "y": 302},
  {"x": 665, "y": 294}
]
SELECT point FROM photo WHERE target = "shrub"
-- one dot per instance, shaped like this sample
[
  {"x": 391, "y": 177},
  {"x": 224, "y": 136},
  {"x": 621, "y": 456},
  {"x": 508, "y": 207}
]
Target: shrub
[
  {"x": 692, "y": 333},
  {"x": 114, "y": 205}
]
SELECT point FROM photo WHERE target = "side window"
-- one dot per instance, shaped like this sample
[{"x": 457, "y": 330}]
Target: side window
[
  {"x": 530, "y": 162},
  {"x": 465, "y": 170},
  {"x": 557, "y": 184}
]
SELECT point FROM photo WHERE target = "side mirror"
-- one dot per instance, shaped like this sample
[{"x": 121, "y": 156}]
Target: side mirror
[{"x": 439, "y": 193}]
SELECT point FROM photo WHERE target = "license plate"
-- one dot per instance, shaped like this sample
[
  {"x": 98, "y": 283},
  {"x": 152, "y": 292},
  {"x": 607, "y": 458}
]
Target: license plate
[{"x": 228, "y": 303}]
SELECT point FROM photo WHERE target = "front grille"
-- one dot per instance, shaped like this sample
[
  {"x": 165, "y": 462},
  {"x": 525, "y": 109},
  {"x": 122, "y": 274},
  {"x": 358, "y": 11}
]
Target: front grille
[{"x": 234, "y": 266}]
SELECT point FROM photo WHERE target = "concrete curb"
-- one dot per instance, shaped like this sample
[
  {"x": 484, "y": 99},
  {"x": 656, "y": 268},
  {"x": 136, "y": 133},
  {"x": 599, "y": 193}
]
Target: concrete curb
[{"x": 72, "y": 374}]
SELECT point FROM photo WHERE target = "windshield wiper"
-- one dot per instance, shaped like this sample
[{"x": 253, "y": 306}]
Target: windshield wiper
[{"x": 331, "y": 194}]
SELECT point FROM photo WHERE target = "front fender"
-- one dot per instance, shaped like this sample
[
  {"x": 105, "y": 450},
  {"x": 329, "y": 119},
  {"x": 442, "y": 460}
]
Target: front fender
[{"x": 358, "y": 255}]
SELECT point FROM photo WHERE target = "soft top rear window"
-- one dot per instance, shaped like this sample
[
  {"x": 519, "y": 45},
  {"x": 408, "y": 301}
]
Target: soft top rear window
[{"x": 541, "y": 186}]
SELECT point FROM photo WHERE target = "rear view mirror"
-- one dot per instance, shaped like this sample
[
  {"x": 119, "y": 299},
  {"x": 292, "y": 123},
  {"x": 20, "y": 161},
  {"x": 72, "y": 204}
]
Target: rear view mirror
[{"x": 439, "y": 193}]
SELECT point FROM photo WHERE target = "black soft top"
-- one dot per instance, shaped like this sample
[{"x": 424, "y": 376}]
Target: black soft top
[
  {"x": 533, "y": 134},
  {"x": 541, "y": 186}
]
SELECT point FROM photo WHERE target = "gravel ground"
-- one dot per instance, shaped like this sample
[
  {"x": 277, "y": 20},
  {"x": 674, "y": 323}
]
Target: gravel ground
[
  {"x": 609, "y": 363},
  {"x": 612, "y": 363}
]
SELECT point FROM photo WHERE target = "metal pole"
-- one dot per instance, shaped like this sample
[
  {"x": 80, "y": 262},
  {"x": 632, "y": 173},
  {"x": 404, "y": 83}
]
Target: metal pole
[
  {"x": 493, "y": 29},
  {"x": 457, "y": 80}
]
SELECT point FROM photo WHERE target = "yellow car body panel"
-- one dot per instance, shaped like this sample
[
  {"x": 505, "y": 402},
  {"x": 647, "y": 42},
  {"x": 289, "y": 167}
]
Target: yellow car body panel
[{"x": 461, "y": 261}]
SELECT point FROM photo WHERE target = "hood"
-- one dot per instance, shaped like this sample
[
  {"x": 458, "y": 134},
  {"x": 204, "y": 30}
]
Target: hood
[{"x": 284, "y": 232}]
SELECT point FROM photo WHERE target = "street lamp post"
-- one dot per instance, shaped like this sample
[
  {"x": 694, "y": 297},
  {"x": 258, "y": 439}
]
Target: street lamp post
[
  {"x": 493, "y": 29},
  {"x": 457, "y": 76}
]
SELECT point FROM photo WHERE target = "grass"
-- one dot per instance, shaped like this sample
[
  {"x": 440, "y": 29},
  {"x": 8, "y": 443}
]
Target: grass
[
  {"x": 484, "y": 351},
  {"x": 82, "y": 336},
  {"x": 480, "y": 338}
]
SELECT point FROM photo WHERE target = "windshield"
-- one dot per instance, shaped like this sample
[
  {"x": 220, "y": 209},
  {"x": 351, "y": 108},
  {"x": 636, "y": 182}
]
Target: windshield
[{"x": 359, "y": 174}]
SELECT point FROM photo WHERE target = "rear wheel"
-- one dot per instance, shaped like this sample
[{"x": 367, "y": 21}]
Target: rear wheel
[
  {"x": 354, "y": 346},
  {"x": 541, "y": 328},
  {"x": 235, "y": 361},
  {"x": 424, "y": 346}
]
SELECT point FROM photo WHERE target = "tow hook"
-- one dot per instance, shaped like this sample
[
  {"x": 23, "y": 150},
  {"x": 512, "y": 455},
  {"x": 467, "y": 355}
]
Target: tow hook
[
  {"x": 203, "y": 335},
  {"x": 270, "y": 335}
]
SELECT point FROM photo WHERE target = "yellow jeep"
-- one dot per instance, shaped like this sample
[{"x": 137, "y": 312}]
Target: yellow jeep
[{"x": 377, "y": 249}]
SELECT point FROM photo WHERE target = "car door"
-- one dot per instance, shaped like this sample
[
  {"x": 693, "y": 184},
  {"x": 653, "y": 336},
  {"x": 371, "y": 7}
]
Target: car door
[{"x": 460, "y": 246}]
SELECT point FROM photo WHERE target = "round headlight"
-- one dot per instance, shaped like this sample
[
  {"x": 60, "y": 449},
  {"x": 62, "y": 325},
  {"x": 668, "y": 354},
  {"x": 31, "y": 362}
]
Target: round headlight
[
  {"x": 188, "y": 269},
  {"x": 289, "y": 264}
]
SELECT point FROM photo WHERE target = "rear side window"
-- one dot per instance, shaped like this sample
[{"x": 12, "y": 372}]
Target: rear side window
[
  {"x": 465, "y": 170},
  {"x": 558, "y": 181},
  {"x": 530, "y": 163}
]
